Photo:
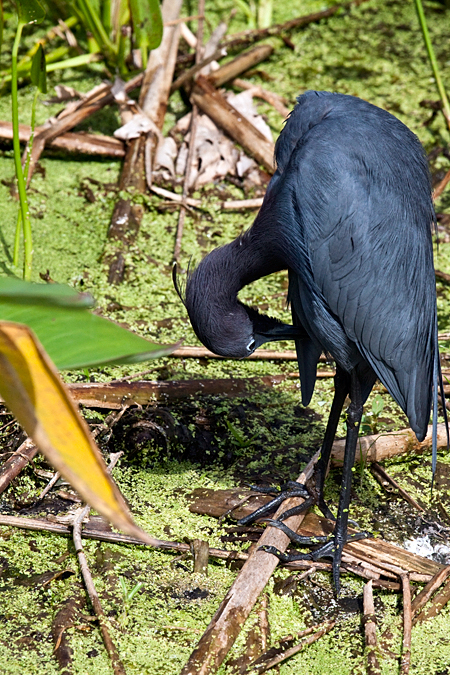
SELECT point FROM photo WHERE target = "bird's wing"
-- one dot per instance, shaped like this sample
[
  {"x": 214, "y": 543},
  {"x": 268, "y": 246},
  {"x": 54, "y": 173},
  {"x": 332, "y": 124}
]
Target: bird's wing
[{"x": 370, "y": 252}]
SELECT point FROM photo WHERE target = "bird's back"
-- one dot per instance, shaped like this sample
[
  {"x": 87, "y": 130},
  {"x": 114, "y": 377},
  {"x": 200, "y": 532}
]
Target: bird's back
[{"x": 352, "y": 200}]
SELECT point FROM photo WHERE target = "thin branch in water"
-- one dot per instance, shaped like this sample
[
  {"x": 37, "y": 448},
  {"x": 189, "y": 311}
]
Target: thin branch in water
[{"x": 369, "y": 620}]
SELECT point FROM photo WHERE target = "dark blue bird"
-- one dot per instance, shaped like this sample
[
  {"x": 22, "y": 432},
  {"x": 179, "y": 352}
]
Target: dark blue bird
[{"x": 349, "y": 214}]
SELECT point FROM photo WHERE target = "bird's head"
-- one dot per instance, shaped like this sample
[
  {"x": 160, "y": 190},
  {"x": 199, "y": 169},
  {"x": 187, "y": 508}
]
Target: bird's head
[{"x": 222, "y": 323}]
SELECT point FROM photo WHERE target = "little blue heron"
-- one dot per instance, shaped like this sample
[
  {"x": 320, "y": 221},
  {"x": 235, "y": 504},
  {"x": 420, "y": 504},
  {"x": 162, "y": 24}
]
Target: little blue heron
[{"x": 349, "y": 214}]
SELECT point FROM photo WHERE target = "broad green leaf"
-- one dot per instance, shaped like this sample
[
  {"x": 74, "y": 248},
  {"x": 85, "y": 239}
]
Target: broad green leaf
[
  {"x": 72, "y": 336},
  {"x": 38, "y": 71},
  {"x": 30, "y": 11},
  {"x": 33, "y": 391},
  {"x": 147, "y": 24}
]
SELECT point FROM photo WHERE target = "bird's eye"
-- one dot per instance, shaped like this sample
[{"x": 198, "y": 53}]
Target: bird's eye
[{"x": 251, "y": 346}]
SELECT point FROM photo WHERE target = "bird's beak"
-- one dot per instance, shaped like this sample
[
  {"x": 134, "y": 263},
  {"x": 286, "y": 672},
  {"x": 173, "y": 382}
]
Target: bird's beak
[{"x": 281, "y": 331}]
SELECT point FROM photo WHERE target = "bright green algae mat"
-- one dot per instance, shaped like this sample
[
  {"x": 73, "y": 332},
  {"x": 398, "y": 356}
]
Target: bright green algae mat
[{"x": 376, "y": 52}]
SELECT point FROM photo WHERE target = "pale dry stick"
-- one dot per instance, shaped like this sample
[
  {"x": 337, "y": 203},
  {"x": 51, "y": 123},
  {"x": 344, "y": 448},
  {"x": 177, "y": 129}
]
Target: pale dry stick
[
  {"x": 369, "y": 619},
  {"x": 228, "y": 620},
  {"x": 174, "y": 197},
  {"x": 407, "y": 625},
  {"x": 89, "y": 582},
  {"x": 294, "y": 650},
  {"x": 275, "y": 100},
  {"x": 55, "y": 478},
  {"x": 243, "y": 204},
  {"x": 193, "y": 132},
  {"x": 432, "y": 586}
]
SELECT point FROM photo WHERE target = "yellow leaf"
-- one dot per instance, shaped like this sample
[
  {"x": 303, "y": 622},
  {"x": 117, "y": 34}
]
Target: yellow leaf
[{"x": 34, "y": 392}]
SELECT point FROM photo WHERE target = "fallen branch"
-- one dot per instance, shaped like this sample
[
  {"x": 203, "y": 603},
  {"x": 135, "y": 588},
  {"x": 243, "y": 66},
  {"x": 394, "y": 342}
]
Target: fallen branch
[
  {"x": 174, "y": 197},
  {"x": 430, "y": 589},
  {"x": 283, "y": 656},
  {"x": 94, "y": 101},
  {"x": 83, "y": 143},
  {"x": 228, "y": 620},
  {"x": 18, "y": 460},
  {"x": 383, "y": 477},
  {"x": 440, "y": 187},
  {"x": 238, "y": 40},
  {"x": 370, "y": 630},
  {"x": 407, "y": 625},
  {"x": 243, "y": 205},
  {"x": 222, "y": 113},
  {"x": 240, "y": 64},
  {"x": 439, "y": 601},
  {"x": 113, "y": 654},
  {"x": 127, "y": 215},
  {"x": 275, "y": 100}
]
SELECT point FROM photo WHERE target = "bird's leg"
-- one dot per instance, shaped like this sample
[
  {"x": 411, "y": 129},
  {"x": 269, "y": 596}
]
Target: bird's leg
[
  {"x": 333, "y": 548},
  {"x": 292, "y": 489},
  {"x": 341, "y": 389}
]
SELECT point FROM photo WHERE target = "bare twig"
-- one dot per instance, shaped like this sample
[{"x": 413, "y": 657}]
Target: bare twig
[
  {"x": 189, "y": 75},
  {"x": 193, "y": 132},
  {"x": 275, "y": 100},
  {"x": 373, "y": 666},
  {"x": 89, "y": 583},
  {"x": 84, "y": 143},
  {"x": 174, "y": 197},
  {"x": 283, "y": 656},
  {"x": 440, "y": 187},
  {"x": 407, "y": 624},
  {"x": 243, "y": 204},
  {"x": 432, "y": 586},
  {"x": 382, "y": 476},
  {"x": 18, "y": 460},
  {"x": 49, "y": 486}
]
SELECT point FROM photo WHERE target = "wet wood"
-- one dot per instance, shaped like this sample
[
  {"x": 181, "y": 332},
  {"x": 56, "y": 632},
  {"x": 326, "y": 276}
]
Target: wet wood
[
  {"x": 439, "y": 601},
  {"x": 16, "y": 462},
  {"x": 80, "y": 143},
  {"x": 127, "y": 215},
  {"x": 370, "y": 631},
  {"x": 215, "y": 105},
  {"x": 200, "y": 551},
  {"x": 429, "y": 590},
  {"x": 384, "y": 478},
  {"x": 442, "y": 276},
  {"x": 228, "y": 620},
  {"x": 65, "y": 617},
  {"x": 115, "y": 395},
  {"x": 440, "y": 187},
  {"x": 407, "y": 626}
]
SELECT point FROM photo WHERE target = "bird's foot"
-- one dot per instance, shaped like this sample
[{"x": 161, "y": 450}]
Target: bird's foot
[
  {"x": 286, "y": 491},
  {"x": 331, "y": 548}
]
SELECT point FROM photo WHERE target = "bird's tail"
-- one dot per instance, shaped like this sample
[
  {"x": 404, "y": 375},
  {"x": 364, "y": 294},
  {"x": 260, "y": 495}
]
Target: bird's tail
[{"x": 438, "y": 384}]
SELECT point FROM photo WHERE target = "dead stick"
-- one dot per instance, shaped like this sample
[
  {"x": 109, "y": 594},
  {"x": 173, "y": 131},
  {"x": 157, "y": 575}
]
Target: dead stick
[
  {"x": 240, "y": 64},
  {"x": 294, "y": 650},
  {"x": 222, "y": 113},
  {"x": 373, "y": 666},
  {"x": 437, "y": 604},
  {"x": 89, "y": 582},
  {"x": 189, "y": 74},
  {"x": 64, "y": 123},
  {"x": 193, "y": 133},
  {"x": 275, "y": 100},
  {"x": 382, "y": 475},
  {"x": 90, "y": 144},
  {"x": 18, "y": 460},
  {"x": 248, "y": 37},
  {"x": 243, "y": 204},
  {"x": 228, "y": 620},
  {"x": 432, "y": 586},
  {"x": 440, "y": 187},
  {"x": 407, "y": 625}
]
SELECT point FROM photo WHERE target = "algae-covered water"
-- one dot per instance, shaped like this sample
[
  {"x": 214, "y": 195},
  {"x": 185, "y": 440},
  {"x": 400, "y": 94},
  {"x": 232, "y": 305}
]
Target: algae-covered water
[{"x": 374, "y": 51}]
